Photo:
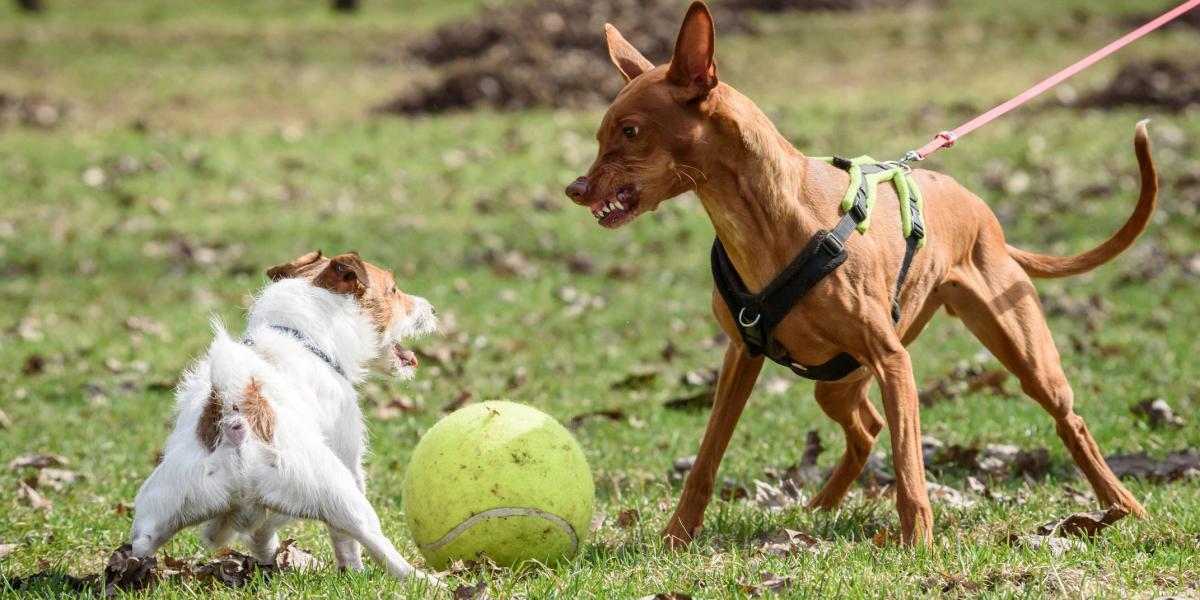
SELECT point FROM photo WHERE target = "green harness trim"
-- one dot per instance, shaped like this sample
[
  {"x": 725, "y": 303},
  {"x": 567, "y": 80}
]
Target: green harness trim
[{"x": 906, "y": 189}]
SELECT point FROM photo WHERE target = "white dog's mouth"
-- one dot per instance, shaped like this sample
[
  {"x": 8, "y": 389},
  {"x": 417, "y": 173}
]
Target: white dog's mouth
[{"x": 405, "y": 358}]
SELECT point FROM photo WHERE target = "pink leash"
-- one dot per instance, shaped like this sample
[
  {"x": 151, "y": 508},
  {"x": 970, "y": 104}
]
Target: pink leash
[{"x": 946, "y": 139}]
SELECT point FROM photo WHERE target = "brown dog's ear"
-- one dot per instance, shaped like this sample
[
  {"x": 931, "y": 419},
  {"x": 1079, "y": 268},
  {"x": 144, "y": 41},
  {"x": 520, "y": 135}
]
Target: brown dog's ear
[
  {"x": 694, "y": 66},
  {"x": 345, "y": 274},
  {"x": 628, "y": 60},
  {"x": 289, "y": 268}
]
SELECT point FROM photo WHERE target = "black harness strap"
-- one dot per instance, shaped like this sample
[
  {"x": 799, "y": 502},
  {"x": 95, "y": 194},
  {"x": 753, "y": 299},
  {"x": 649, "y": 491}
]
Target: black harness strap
[{"x": 757, "y": 315}]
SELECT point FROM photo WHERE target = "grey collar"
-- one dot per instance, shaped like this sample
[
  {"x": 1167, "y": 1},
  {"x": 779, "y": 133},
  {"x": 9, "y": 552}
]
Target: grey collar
[{"x": 308, "y": 345}]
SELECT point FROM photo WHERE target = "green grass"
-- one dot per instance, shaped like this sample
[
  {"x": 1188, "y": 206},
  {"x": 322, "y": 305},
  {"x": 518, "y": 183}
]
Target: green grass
[{"x": 253, "y": 123}]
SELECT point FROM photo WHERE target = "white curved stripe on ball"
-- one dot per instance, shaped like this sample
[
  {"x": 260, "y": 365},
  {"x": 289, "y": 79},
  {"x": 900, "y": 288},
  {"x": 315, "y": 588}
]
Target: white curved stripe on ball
[{"x": 505, "y": 512}]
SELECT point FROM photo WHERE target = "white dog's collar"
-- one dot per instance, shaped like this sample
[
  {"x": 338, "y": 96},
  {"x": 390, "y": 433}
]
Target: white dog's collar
[{"x": 308, "y": 345}]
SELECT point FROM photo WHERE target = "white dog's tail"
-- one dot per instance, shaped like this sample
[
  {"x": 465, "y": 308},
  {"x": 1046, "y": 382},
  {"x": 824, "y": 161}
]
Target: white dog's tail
[{"x": 237, "y": 404}]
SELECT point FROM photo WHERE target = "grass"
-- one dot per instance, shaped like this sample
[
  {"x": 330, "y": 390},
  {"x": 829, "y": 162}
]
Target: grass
[{"x": 245, "y": 135}]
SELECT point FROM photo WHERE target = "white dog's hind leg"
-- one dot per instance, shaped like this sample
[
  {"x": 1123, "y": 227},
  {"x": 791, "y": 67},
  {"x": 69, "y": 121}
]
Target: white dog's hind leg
[
  {"x": 346, "y": 550},
  {"x": 318, "y": 485}
]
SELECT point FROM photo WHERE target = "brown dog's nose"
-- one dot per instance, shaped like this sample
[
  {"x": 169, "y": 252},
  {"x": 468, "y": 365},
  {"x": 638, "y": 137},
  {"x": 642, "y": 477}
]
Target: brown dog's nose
[{"x": 578, "y": 190}]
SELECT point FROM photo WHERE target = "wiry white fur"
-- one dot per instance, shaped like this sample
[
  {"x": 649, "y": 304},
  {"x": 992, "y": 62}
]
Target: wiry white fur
[{"x": 313, "y": 466}]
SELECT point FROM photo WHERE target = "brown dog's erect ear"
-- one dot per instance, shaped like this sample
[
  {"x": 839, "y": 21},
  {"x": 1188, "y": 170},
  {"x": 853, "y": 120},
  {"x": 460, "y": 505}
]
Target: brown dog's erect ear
[
  {"x": 345, "y": 274},
  {"x": 694, "y": 66},
  {"x": 628, "y": 60},
  {"x": 289, "y": 268}
]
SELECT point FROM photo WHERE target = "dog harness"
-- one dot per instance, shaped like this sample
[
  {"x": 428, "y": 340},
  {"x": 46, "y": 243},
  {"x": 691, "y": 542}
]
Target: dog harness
[
  {"x": 308, "y": 345},
  {"x": 757, "y": 315}
]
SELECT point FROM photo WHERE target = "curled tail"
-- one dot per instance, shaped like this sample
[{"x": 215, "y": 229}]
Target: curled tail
[{"x": 1044, "y": 266}]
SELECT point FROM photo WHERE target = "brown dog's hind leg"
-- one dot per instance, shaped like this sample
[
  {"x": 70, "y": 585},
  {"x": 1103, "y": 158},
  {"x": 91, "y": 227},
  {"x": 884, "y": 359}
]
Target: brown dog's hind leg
[
  {"x": 846, "y": 403},
  {"x": 1002, "y": 309},
  {"x": 734, "y": 384}
]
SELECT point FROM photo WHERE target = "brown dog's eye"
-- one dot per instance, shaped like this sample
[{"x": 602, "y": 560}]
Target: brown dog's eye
[{"x": 630, "y": 132}]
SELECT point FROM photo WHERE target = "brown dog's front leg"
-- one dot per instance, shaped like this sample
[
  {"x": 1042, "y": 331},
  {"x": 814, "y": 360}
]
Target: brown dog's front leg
[
  {"x": 901, "y": 408},
  {"x": 736, "y": 380}
]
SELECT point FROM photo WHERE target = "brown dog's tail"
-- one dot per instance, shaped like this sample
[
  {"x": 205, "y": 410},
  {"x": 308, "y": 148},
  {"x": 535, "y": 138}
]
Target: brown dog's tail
[{"x": 1044, "y": 266}]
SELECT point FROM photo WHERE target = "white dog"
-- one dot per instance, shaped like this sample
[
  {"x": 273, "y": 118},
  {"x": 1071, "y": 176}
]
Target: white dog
[{"x": 269, "y": 428}]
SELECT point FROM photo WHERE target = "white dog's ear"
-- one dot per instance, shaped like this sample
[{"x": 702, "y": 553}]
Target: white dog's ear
[
  {"x": 345, "y": 274},
  {"x": 291, "y": 267}
]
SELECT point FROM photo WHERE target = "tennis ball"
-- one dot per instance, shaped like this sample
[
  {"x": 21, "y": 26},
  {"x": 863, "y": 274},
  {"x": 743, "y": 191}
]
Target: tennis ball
[{"x": 498, "y": 479}]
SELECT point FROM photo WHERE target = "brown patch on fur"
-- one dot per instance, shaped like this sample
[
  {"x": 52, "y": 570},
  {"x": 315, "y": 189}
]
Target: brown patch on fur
[
  {"x": 258, "y": 412},
  {"x": 378, "y": 310},
  {"x": 294, "y": 267},
  {"x": 209, "y": 427}
]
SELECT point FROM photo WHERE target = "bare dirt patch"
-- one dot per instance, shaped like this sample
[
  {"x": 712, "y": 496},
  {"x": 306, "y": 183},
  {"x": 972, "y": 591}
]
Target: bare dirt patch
[
  {"x": 1161, "y": 83},
  {"x": 552, "y": 53}
]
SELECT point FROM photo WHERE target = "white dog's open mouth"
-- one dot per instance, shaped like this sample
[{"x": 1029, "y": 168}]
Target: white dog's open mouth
[{"x": 405, "y": 358}]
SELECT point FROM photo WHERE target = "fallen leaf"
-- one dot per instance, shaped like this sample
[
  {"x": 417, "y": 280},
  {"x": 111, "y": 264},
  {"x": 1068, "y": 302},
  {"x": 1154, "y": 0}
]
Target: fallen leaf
[
  {"x": 56, "y": 479},
  {"x": 667, "y": 596},
  {"x": 695, "y": 401},
  {"x": 471, "y": 592},
  {"x": 704, "y": 376},
  {"x": 1085, "y": 524},
  {"x": 36, "y": 461},
  {"x": 233, "y": 569},
  {"x": 1057, "y": 546},
  {"x": 881, "y": 538},
  {"x": 669, "y": 352},
  {"x": 776, "y": 497},
  {"x": 787, "y": 542},
  {"x": 636, "y": 381},
  {"x": 1077, "y": 496},
  {"x": 464, "y": 397},
  {"x": 400, "y": 405},
  {"x": 126, "y": 572},
  {"x": 579, "y": 420},
  {"x": 6, "y": 549},
  {"x": 580, "y": 263},
  {"x": 32, "y": 497},
  {"x": 597, "y": 523},
  {"x": 518, "y": 378},
  {"x": 5, "y": 422},
  {"x": 1157, "y": 413},
  {"x": 770, "y": 584},
  {"x": 1175, "y": 465},
  {"x": 944, "y": 494},
  {"x": 291, "y": 557},
  {"x": 806, "y": 471},
  {"x": 684, "y": 464},
  {"x": 628, "y": 517}
]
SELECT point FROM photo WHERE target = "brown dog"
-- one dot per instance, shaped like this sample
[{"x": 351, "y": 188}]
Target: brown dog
[{"x": 675, "y": 128}]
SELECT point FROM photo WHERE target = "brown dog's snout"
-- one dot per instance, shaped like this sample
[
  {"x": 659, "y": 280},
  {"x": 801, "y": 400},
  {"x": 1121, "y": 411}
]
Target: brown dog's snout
[{"x": 578, "y": 190}]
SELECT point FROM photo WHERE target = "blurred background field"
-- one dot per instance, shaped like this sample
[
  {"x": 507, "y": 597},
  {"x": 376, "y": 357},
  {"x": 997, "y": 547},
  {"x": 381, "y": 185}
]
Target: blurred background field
[{"x": 156, "y": 157}]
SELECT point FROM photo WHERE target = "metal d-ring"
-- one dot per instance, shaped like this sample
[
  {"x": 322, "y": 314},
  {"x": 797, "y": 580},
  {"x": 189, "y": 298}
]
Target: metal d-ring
[{"x": 742, "y": 318}]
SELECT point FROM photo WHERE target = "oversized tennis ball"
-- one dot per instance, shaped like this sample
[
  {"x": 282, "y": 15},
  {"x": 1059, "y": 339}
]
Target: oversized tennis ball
[{"x": 499, "y": 479}]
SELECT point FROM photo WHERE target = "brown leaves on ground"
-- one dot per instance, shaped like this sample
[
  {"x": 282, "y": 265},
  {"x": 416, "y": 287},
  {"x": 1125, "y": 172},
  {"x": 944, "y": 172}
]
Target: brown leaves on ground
[
  {"x": 1059, "y": 536},
  {"x": 628, "y": 517},
  {"x": 637, "y": 381},
  {"x": 770, "y": 584},
  {"x": 471, "y": 592},
  {"x": 29, "y": 489},
  {"x": 994, "y": 460},
  {"x": 617, "y": 416},
  {"x": 33, "y": 110},
  {"x": 667, "y": 596},
  {"x": 1157, "y": 413},
  {"x": 36, "y": 461},
  {"x": 787, "y": 542},
  {"x": 1180, "y": 464},
  {"x": 1085, "y": 524},
  {"x": 963, "y": 379}
]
